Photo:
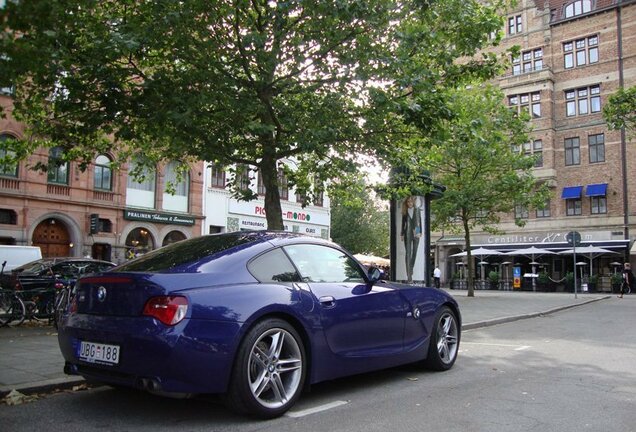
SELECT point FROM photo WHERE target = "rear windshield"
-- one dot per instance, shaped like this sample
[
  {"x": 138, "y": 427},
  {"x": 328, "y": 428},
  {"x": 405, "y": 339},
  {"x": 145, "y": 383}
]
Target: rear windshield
[{"x": 184, "y": 252}]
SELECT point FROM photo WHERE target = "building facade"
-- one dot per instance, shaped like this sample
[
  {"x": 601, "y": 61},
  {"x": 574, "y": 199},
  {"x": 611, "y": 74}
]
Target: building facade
[
  {"x": 226, "y": 214},
  {"x": 98, "y": 212},
  {"x": 574, "y": 55}
]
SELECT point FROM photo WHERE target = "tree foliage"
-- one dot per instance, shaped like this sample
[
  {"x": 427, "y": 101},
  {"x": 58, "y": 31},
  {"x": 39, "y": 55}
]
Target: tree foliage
[
  {"x": 247, "y": 82},
  {"x": 477, "y": 154},
  {"x": 359, "y": 223},
  {"x": 620, "y": 110}
]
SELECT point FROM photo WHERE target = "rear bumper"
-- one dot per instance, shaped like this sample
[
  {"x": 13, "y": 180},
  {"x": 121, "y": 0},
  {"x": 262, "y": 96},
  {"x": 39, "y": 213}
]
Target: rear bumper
[{"x": 194, "y": 356}]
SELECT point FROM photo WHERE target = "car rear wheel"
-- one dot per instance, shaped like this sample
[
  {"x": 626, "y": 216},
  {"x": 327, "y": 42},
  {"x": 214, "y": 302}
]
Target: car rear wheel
[
  {"x": 444, "y": 344},
  {"x": 269, "y": 371}
]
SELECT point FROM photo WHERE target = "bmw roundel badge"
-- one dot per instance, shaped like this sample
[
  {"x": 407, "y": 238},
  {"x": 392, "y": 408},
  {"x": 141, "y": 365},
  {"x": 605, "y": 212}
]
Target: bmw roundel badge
[{"x": 101, "y": 293}]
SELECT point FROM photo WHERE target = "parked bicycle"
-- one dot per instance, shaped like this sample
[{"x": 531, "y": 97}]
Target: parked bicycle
[{"x": 12, "y": 308}]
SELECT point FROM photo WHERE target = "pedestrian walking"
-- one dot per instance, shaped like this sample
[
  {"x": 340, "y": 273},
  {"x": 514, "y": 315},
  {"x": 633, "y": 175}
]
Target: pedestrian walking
[
  {"x": 437, "y": 276},
  {"x": 628, "y": 280}
]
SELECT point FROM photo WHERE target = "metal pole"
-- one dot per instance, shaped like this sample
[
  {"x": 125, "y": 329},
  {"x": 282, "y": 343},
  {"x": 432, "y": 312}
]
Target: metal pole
[{"x": 575, "y": 281}]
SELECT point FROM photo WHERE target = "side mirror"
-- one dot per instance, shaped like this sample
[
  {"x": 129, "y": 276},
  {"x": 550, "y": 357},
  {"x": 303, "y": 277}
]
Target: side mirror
[{"x": 374, "y": 274}]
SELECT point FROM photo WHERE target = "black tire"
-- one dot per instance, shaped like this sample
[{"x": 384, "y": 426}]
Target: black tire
[
  {"x": 444, "y": 342},
  {"x": 12, "y": 310},
  {"x": 269, "y": 370}
]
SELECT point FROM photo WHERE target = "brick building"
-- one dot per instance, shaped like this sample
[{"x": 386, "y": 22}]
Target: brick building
[
  {"x": 99, "y": 212},
  {"x": 574, "y": 54}
]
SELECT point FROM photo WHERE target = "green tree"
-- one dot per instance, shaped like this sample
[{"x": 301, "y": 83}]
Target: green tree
[
  {"x": 360, "y": 223},
  {"x": 620, "y": 110},
  {"x": 248, "y": 82},
  {"x": 477, "y": 155}
]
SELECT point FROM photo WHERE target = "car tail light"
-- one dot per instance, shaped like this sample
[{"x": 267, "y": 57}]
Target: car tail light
[
  {"x": 59, "y": 285},
  {"x": 170, "y": 310}
]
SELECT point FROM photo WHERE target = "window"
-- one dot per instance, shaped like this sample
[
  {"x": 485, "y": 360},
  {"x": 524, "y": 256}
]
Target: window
[
  {"x": 577, "y": 8},
  {"x": 146, "y": 180},
  {"x": 544, "y": 211},
  {"x": 243, "y": 177},
  {"x": 260, "y": 188},
  {"x": 521, "y": 212},
  {"x": 283, "y": 188},
  {"x": 104, "y": 225},
  {"x": 176, "y": 188},
  {"x": 580, "y": 52},
  {"x": 57, "y": 168},
  {"x": 598, "y": 204},
  {"x": 8, "y": 217},
  {"x": 217, "y": 179},
  {"x": 515, "y": 25},
  {"x": 537, "y": 151},
  {"x": 526, "y": 102},
  {"x": 273, "y": 266},
  {"x": 140, "y": 190},
  {"x": 572, "y": 151},
  {"x": 103, "y": 179},
  {"x": 583, "y": 101},
  {"x": 529, "y": 61},
  {"x": 8, "y": 168},
  {"x": 573, "y": 207},
  {"x": 597, "y": 148},
  {"x": 324, "y": 264}
]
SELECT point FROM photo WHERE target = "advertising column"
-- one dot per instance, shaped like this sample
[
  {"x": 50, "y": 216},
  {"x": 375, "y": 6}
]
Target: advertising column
[{"x": 411, "y": 239}]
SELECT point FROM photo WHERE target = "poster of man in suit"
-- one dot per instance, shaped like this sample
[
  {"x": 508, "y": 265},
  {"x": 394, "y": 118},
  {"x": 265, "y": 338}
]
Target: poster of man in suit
[{"x": 410, "y": 248}]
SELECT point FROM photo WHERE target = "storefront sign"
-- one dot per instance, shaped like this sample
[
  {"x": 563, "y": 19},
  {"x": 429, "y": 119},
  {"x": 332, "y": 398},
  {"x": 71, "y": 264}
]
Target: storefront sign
[
  {"x": 542, "y": 237},
  {"x": 289, "y": 213},
  {"x": 162, "y": 218}
]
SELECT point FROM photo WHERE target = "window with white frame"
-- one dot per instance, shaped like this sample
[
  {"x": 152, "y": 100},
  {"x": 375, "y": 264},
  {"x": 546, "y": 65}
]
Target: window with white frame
[
  {"x": 583, "y": 101},
  {"x": 531, "y": 60},
  {"x": 176, "y": 187},
  {"x": 578, "y": 7},
  {"x": 140, "y": 185},
  {"x": 515, "y": 25},
  {"x": 580, "y": 52},
  {"x": 527, "y": 102}
]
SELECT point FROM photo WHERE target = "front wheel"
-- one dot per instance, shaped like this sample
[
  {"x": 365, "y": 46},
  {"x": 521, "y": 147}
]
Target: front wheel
[
  {"x": 269, "y": 371},
  {"x": 444, "y": 344}
]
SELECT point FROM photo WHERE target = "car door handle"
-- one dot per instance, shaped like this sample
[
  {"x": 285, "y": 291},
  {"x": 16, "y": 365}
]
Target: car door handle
[{"x": 327, "y": 301}]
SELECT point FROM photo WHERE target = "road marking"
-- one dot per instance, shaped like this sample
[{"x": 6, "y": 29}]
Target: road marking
[
  {"x": 523, "y": 347},
  {"x": 308, "y": 411},
  {"x": 516, "y": 347}
]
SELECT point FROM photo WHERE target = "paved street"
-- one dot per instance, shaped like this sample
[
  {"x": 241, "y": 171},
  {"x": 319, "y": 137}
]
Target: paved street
[{"x": 567, "y": 371}]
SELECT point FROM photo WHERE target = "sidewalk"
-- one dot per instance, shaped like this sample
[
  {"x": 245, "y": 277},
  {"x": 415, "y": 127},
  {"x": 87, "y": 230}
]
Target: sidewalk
[{"x": 30, "y": 359}]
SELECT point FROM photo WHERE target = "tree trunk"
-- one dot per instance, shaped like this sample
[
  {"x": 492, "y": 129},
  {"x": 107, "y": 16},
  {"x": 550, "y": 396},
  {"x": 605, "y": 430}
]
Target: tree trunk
[
  {"x": 470, "y": 282},
  {"x": 273, "y": 210}
]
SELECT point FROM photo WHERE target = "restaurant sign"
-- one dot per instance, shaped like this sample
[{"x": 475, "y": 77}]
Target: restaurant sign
[{"x": 154, "y": 217}]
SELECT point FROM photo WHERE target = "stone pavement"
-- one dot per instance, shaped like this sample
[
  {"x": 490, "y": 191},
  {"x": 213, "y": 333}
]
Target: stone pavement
[{"x": 30, "y": 359}]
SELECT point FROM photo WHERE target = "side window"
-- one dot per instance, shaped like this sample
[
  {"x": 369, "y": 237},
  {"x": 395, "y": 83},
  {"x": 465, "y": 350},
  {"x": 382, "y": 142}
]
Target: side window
[
  {"x": 273, "y": 266},
  {"x": 318, "y": 263}
]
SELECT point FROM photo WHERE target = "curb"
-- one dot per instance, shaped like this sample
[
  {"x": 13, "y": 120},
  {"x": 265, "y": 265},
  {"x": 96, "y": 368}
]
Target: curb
[
  {"x": 46, "y": 386},
  {"x": 492, "y": 322}
]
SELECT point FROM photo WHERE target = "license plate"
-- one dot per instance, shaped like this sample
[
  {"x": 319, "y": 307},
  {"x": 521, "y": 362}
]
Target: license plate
[{"x": 93, "y": 352}]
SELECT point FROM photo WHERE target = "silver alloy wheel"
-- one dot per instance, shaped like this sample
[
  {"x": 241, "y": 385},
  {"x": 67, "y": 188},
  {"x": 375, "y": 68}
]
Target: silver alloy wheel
[
  {"x": 275, "y": 368},
  {"x": 447, "y": 335}
]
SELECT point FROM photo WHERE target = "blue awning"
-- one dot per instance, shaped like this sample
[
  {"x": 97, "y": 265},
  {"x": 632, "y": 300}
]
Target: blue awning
[
  {"x": 573, "y": 192},
  {"x": 596, "y": 190}
]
